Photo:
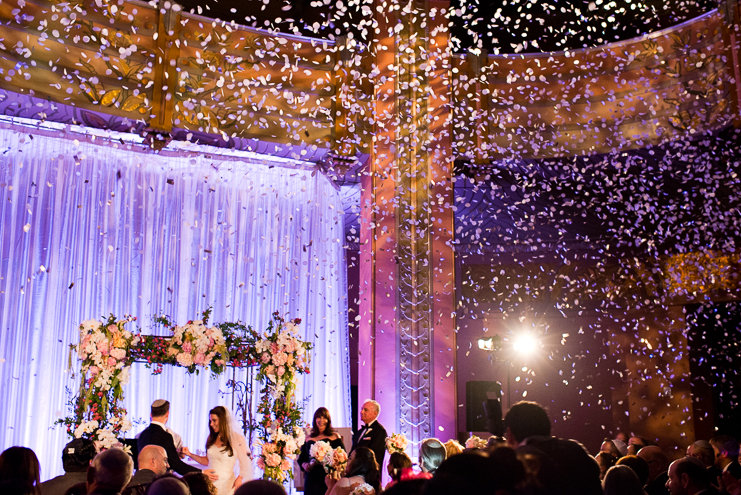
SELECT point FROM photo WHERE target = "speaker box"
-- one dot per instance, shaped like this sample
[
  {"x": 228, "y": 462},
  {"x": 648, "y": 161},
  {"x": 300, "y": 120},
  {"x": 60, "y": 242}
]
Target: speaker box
[{"x": 484, "y": 407}]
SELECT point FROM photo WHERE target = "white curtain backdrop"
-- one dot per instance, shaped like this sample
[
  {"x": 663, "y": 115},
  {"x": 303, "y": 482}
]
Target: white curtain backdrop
[{"x": 90, "y": 227}]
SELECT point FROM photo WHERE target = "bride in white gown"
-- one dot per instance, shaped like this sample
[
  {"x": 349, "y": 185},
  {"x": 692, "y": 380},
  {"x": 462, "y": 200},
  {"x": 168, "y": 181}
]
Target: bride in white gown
[{"x": 225, "y": 448}]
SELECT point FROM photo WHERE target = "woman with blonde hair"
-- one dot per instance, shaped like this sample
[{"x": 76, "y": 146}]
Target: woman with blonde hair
[{"x": 452, "y": 447}]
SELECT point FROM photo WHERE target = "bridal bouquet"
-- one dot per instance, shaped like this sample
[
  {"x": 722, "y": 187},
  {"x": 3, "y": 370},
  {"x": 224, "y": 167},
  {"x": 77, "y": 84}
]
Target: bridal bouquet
[
  {"x": 363, "y": 489},
  {"x": 475, "y": 442},
  {"x": 194, "y": 344},
  {"x": 335, "y": 462},
  {"x": 319, "y": 450},
  {"x": 397, "y": 442}
]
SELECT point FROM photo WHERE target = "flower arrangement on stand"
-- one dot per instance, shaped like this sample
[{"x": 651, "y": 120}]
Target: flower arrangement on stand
[
  {"x": 196, "y": 346},
  {"x": 97, "y": 411},
  {"x": 282, "y": 356},
  {"x": 397, "y": 442}
]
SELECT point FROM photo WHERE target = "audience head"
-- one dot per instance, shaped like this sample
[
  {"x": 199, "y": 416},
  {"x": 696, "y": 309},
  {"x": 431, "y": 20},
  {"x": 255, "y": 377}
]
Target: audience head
[
  {"x": 322, "y": 423},
  {"x": 370, "y": 411},
  {"x": 622, "y": 436},
  {"x": 77, "y": 455},
  {"x": 19, "y": 467},
  {"x": 687, "y": 476},
  {"x": 111, "y": 470},
  {"x": 621, "y": 480},
  {"x": 656, "y": 459},
  {"x": 635, "y": 444},
  {"x": 362, "y": 462},
  {"x": 725, "y": 449},
  {"x": 638, "y": 465},
  {"x": 160, "y": 410},
  {"x": 199, "y": 484},
  {"x": 702, "y": 450},
  {"x": 614, "y": 447},
  {"x": 431, "y": 454},
  {"x": 154, "y": 458},
  {"x": 260, "y": 487},
  {"x": 605, "y": 460},
  {"x": 452, "y": 447},
  {"x": 168, "y": 485},
  {"x": 398, "y": 461},
  {"x": 526, "y": 419}
]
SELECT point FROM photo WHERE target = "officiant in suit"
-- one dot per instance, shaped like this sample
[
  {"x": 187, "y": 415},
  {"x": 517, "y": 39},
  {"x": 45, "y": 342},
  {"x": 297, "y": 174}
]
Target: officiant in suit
[
  {"x": 372, "y": 434},
  {"x": 158, "y": 434}
]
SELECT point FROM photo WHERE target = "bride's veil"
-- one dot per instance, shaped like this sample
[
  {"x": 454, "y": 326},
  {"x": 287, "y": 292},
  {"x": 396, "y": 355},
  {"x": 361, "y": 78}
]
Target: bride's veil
[{"x": 235, "y": 435}]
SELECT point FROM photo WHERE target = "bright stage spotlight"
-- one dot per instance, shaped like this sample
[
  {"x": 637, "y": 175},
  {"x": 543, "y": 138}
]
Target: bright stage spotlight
[{"x": 525, "y": 344}]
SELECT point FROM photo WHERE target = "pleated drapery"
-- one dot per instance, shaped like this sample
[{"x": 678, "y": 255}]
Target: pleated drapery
[{"x": 90, "y": 227}]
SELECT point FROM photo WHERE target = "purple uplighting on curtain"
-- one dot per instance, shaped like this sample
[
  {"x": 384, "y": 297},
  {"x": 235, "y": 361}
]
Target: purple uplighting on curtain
[{"x": 92, "y": 226}]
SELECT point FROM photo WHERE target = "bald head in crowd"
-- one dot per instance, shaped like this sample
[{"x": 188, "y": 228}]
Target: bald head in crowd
[
  {"x": 154, "y": 458},
  {"x": 687, "y": 476},
  {"x": 657, "y": 461},
  {"x": 110, "y": 470}
]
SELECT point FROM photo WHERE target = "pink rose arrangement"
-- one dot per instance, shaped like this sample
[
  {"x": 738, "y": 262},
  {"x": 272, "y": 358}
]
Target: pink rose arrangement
[
  {"x": 196, "y": 346},
  {"x": 397, "y": 442}
]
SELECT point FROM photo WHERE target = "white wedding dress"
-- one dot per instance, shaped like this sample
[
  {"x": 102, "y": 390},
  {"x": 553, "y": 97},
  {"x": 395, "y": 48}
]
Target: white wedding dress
[{"x": 223, "y": 464}]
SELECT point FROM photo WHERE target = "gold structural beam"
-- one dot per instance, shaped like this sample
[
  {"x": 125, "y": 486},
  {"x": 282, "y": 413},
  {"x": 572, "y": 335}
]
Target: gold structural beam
[{"x": 134, "y": 62}]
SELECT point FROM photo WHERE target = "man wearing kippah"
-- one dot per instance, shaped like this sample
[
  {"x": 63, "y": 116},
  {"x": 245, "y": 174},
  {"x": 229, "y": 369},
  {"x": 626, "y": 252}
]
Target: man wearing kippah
[
  {"x": 157, "y": 433},
  {"x": 76, "y": 458}
]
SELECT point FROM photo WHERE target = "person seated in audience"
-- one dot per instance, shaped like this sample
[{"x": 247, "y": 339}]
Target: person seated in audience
[
  {"x": 260, "y": 487},
  {"x": 398, "y": 463},
  {"x": 621, "y": 480},
  {"x": 110, "y": 472},
  {"x": 614, "y": 447},
  {"x": 76, "y": 457},
  {"x": 635, "y": 444},
  {"x": 689, "y": 476},
  {"x": 431, "y": 455},
  {"x": 152, "y": 463},
  {"x": 605, "y": 460},
  {"x": 527, "y": 423},
  {"x": 658, "y": 463},
  {"x": 20, "y": 472},
  {"x": 622, "y": 436},
  {"x": 362, "y": 469},
  {"x": 168, "y": 485},
  {"x": 200, "y": 484},
  {"x": 703, "y": 451},
  {"x": 638, "y": 465},
  {"x": 726, "y": 454},
  {"x": 452, "y": 447}
]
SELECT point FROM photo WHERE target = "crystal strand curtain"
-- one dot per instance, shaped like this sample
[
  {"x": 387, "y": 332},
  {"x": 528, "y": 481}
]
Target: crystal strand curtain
[{"x": 88, "y": 229}]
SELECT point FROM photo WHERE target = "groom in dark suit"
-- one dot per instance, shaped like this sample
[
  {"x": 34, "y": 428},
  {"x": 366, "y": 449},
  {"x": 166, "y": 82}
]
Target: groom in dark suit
[
  {"x": 372, "y": 434},
  {"x": 156, "y": 434}
]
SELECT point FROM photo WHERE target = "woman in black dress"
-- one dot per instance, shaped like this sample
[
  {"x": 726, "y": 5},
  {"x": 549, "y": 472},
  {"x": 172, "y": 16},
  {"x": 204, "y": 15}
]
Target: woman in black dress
[{"x": 321, "y": 430}]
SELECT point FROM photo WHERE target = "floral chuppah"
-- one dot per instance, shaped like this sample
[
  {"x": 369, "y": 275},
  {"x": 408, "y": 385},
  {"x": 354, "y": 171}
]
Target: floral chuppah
[{"x": 107, "y": 350}]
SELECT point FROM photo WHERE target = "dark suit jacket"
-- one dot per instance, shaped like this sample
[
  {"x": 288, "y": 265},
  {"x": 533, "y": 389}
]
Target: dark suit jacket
[
  {"x": 372, "y": 437},
  {"x": 60, "y": 484},
  {"x": 735, "y": 469},
  {"x": 142, "y": 477},
  {"x": 156, "y": 435},
  {"x": 657, "y": 486}
]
